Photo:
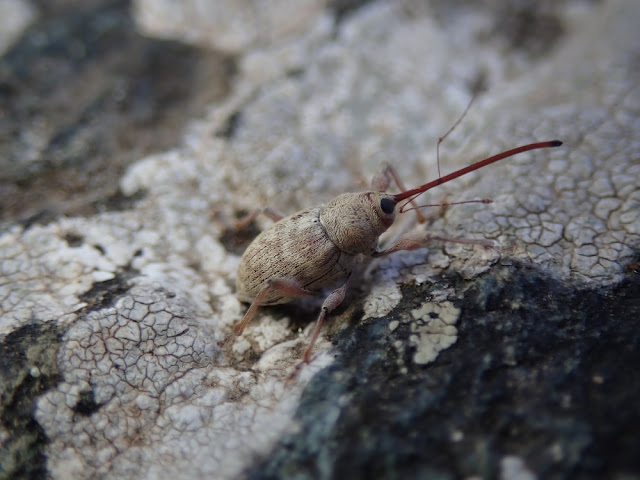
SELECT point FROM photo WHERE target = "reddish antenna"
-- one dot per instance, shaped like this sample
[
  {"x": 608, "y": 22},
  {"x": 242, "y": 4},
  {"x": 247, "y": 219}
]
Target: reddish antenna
[
  {"x": 415, "y": 192},
  {"x": 453, "y": 127}
]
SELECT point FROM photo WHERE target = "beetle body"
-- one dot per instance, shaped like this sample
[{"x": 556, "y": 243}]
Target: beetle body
[{"x": 315, "y": 248}]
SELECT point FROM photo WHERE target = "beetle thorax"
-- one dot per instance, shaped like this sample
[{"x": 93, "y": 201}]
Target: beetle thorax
[{"x": 354, "y": 221}]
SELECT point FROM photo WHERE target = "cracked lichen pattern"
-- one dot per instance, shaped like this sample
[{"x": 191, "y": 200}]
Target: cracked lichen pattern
[
  {"x": 146, "y": 364},
  {"x": 146, "y": 393},
  {"x": 578, "y": 212},
  {"x": 44, "y": 276},
  {"x": 45, "y": 273}
]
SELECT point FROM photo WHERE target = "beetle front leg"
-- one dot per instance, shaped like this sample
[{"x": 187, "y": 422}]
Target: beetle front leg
[
  {"x": 269, "y": 212},
  {"x": 330, "y": 303},
  {"x": 413, "y": 241}
]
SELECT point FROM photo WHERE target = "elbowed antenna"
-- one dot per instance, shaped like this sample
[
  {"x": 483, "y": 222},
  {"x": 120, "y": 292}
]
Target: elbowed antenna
[{"x": 475, "y": 166}]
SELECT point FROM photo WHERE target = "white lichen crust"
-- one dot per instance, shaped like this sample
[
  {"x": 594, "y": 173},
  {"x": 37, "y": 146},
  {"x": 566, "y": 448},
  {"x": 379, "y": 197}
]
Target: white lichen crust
[
  {"x": 433, "y": 330},
  {"x": 144, "y": 395}
]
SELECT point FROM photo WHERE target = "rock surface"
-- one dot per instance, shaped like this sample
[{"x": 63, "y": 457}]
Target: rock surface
[{"x": 125, "y": 160}]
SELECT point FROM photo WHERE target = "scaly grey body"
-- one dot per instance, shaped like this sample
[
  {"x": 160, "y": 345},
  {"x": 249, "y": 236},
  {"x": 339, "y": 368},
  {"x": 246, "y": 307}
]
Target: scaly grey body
[{"x": 317, "y": 264}]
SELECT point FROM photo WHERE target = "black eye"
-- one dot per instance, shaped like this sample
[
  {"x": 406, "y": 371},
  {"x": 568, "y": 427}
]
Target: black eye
[{"x": 387, "y": 205}]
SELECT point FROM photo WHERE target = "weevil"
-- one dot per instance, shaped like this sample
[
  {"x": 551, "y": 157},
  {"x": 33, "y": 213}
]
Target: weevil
[{"x": 316, "y": 248}]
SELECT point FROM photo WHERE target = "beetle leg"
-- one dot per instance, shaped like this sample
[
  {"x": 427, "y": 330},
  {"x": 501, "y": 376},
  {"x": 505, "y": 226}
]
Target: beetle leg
[
  {"x": 284, "y": 286},
  {"x": 330, "y": 303},
  {"x": 413, "y": 241},
  {"x": 382, "y": 179},
  {"x": 269, "y": 212}
]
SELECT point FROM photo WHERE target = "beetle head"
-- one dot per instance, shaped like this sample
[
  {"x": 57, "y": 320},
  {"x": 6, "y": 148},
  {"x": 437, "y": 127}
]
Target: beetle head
[{"x": 354, "y": 221}]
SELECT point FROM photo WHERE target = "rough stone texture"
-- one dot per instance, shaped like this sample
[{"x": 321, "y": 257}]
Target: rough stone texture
[
  {"x": 76, "y": 111},
  {"x": 228, "y": 26},
  {"x": 542, "y": 377},
  {"x": 15, "y": 15},
  {"x": 28, "y": 368},
  {"x": 125, "y": 161}
]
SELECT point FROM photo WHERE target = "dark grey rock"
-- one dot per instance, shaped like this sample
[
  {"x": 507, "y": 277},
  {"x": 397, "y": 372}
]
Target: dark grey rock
[
  {"x": 82, "y": 95},
  {"x": 541, "y": 370}
]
